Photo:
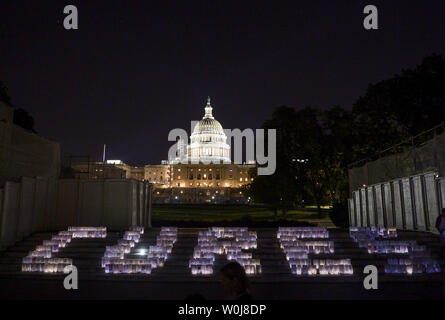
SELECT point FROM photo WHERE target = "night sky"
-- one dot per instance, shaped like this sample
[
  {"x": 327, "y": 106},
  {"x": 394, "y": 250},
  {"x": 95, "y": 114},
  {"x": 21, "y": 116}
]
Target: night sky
[{"x": 136, "y": 69}]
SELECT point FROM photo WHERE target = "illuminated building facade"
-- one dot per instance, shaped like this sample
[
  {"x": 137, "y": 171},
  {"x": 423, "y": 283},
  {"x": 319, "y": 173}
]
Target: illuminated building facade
[{"x": 209, "y": 176}]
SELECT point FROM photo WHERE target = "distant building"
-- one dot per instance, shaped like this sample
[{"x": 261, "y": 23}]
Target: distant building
[
  {"x": 111, "y": 169},
  {"x": 178, "y": 182}
]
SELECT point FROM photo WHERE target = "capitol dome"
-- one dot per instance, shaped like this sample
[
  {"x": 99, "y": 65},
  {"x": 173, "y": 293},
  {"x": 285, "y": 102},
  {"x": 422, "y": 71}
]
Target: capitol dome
[
  {"x": 208, "y": 125},
  {"x": 208, "y": 142}
]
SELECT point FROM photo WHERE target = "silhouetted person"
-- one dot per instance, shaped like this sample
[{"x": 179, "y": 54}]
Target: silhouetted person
[
  {"x": 440, "y": 225},
  {"x": 234, "y": 280}
]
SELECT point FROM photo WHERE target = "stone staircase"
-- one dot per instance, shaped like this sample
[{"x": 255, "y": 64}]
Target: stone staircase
[{"x": 87, "y": 254}]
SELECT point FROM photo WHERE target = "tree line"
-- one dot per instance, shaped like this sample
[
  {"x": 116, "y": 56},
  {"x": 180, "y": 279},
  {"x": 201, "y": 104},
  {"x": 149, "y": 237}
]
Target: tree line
[{"x": 315, "y": 146}]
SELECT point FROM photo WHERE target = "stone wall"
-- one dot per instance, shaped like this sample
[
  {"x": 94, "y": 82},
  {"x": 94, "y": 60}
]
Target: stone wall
[
  {"x": 43, "y": 204},
  {"x": 409, "y": 203},
  {"x": 23, "y": 153}
]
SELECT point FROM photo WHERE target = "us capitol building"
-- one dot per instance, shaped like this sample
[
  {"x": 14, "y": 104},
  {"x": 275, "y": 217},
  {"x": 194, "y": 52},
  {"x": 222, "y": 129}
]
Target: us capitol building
[{"x": 209, "y": 175}]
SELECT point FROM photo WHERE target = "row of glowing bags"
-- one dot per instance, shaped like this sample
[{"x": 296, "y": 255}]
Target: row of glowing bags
[
  {"x": 53, "y": 245},
  {"x": 140, "y": 230},
  {"x": 41, "y": 254},
  {"x": 93, "y": 229},
  {"x": 208, "y": 269},
  {"x": 323, "y": 270},
  {"x": 294, "y": 229},
  {"x": 89, "y": 234},
  {"x": 321, "y": 243},
  {"x": 373, "y": 233},
  {"x": 200, "y": 251},
  {"x": 48, "y": 247},
  {"x": 304, "y": 235},
  {"x": 169, "y": 229},
  {"x": 128, "y": 268},
  {"x": 132, "y": 236},
  {"x": 410, "y": 243},
  {"x": 228, "y": 229},
  {"x": 153, "y": 262},
  {"x": 412, "y": 269},
  {"x": 201, "y": 254},
  {"x": 301, "y": 252},
  {"x": 379, "y": 230},
  {"x": 226, "y": 234},
  {"x": 319, "y": 262},
  {"x": 228, "y": 244},
  {"x": 29, "y": 259},
  {"x": 208, "y": 262},
  {"x": 84, "y": 234},
  {"x": 215, "y": 241},
  {"x": 307, "y": 250},
  {"x": 395, "y": 249},
  {"x": 150, "y": 255},
  {"x": 365, "y": 243},
  {"x": 237, "y": 236},
  {"x": 369, "y": 236},
  {"x": 210, "y": 256},
  {"x": 248, "y": 262},
  {"x": 201, "y": 269},
  {"x": 219, "y": 249},
  {"x": 44, "y": 267},
  {"x": 409, "y": 261},
  {"x": 123, "y": 248},
  {"x": 201, "y": 262},
  {"x": 387, "y": 250}
]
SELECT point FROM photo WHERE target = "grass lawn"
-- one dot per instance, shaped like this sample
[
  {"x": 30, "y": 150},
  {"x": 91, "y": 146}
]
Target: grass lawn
[{"x": 215, "y": 214}]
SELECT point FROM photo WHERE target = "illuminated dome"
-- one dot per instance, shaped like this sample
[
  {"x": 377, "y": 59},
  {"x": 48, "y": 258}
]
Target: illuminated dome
[{"x": 208, "y": 140}]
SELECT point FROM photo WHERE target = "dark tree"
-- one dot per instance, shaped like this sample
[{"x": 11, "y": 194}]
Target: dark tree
[
  {"x": 280, "y": 189},
  {"x": 4, "y": 96},
  {"x": 402, "y": 106},
  {"x": 23, "y": 119}
]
